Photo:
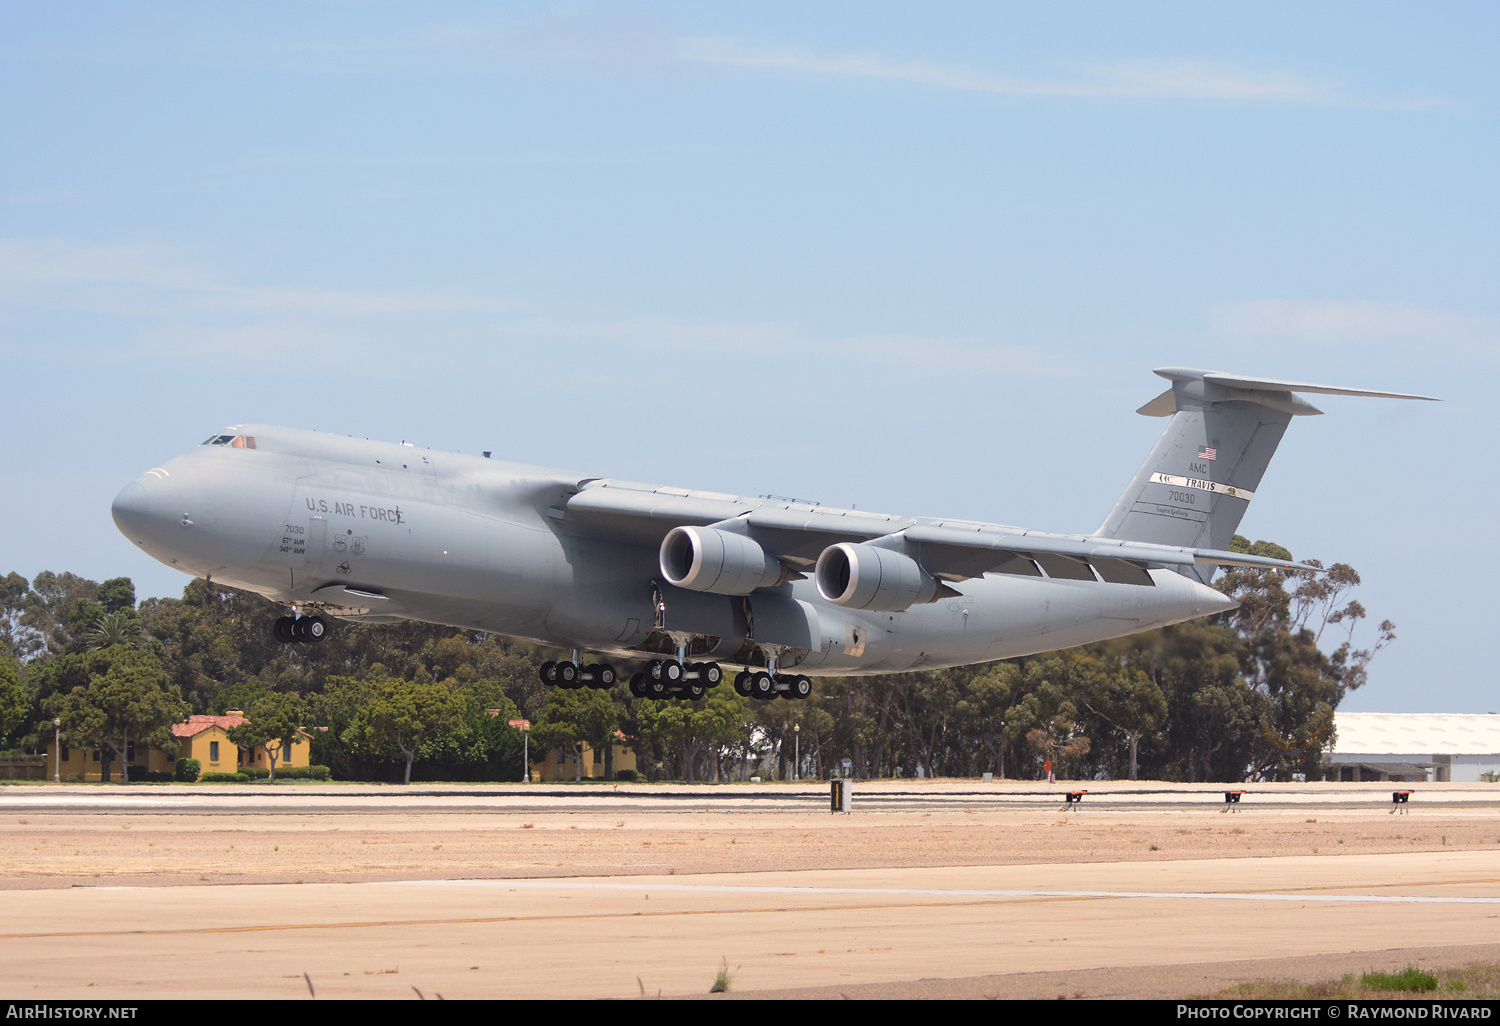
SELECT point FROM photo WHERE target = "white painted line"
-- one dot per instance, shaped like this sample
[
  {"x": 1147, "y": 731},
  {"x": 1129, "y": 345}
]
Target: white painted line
[{"x": 1377, "y": 899}]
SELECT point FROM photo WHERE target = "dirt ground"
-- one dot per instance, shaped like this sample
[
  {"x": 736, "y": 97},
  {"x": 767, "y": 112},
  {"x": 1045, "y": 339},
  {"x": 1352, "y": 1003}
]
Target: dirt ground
[{"x": 62, "y": 850}]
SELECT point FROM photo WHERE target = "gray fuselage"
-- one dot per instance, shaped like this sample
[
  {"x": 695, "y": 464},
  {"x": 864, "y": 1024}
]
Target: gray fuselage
[{"x": 378, "y": 532}]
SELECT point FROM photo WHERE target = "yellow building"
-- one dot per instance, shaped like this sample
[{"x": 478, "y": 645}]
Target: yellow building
[
  {"x": 205, "y": 738},
  {"x": 559, "y": 763}
]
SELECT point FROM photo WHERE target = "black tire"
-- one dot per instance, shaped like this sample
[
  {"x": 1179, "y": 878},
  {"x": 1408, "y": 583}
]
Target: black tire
[
  {"x": 638, "y": 685},
  {"x": 548, "y": 674},
  {"x": 604, "y": 676},
  {"x": 282, "y": 630},
  {"x": 762, "y": 687},
  {"x": 711, "y": 676},
  {"x": 567, "y": 676},
  {"x": 742, "y": 683},
  {"x": 694, "y": 692},
  {"x": 653, "y": 669},
  {"x": 656, "y": 688},
  {"x": 672, "y": 672},
  {"x": 315, "y": 629},
  {"x": 801, "y": 688},
  {"x": 299, "y": 630}
]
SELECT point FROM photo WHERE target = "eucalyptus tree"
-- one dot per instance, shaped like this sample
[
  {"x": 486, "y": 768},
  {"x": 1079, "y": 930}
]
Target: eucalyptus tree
[{"x": 130, "y": 703}]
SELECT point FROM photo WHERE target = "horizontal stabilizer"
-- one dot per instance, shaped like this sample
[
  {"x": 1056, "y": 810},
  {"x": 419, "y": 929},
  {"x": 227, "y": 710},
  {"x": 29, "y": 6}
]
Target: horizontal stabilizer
[{"x": 1215, "y": 386}]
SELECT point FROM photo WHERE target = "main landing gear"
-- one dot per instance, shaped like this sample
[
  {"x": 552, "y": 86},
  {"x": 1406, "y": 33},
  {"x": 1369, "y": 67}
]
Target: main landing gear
[
  {"x": 764, "y": 686},
  {"x": 670, "y": 678},
  {"x": 571, "y": 675},
  {"x": 307, "y": 629}
]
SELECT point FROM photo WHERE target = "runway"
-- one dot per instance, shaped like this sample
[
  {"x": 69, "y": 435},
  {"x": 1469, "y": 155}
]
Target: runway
[
  {"x": 875, "y": 796},
  {"x": 608, "y": 938},
  {"x": 936, "y": 890}
]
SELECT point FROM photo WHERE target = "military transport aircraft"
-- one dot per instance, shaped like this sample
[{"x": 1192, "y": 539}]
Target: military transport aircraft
[{"x": 684, "y": 581}]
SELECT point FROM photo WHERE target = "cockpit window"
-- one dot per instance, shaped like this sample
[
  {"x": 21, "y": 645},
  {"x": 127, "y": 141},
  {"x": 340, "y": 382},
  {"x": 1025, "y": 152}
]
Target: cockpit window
[{"x": 233, "y": 441}]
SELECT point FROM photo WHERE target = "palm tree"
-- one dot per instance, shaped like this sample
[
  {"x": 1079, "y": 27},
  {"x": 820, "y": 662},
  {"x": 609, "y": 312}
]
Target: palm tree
[{"x": 119, "y": 628}]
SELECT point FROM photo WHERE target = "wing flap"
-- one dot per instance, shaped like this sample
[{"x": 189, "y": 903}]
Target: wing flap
[{"x": 958, "y": 554}]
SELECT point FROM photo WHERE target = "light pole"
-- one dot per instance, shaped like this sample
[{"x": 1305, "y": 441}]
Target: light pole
[
  {"x": 524, "y": 726},
  {"x": 796, "y": 751},
  {"x": 57, "y": 750}
]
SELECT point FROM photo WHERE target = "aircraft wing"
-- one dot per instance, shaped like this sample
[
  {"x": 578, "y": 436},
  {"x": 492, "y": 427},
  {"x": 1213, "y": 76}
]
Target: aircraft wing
[
  {"x": 797, "y": 533},
  {"x": 955, "y": 554}
]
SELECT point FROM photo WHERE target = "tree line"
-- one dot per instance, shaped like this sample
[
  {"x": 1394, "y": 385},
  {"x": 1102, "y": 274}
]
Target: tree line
[{"x": 1244, "y": 695}]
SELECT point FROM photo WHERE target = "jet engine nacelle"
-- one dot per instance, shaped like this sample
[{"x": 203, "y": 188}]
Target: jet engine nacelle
[
  {"x": 707, "y": 559},
  {"x": 868, "y": 577}
]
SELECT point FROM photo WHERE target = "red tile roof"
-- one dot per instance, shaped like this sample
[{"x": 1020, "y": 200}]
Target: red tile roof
[{"x": 198, "y": 723}]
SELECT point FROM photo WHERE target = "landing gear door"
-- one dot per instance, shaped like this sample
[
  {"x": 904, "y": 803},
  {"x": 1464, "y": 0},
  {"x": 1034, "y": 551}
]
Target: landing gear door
[{"x": 317, "y": 540}]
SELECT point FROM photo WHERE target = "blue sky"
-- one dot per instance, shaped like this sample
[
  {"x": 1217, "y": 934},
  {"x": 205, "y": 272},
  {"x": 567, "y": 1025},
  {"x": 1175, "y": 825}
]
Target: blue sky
[{"x": 918, "y": 259}]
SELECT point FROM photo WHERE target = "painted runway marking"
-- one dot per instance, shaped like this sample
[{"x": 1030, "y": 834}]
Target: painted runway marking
[
  {"x": 267, "y": 928},
  {"x": 976, "y": 898},
  {"x": 1376, "y": 899}
]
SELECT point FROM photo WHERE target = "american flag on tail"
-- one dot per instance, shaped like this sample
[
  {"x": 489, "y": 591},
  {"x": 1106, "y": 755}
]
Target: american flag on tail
[{"x": 1207, "y": 453}]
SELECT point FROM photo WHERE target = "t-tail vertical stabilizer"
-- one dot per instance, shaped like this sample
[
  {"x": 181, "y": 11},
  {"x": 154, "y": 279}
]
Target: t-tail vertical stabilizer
[{"x": 1198, "y": 481}]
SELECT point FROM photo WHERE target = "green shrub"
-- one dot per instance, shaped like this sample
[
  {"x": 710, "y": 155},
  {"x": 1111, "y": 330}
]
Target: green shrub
[
  {"x": 627, "y": 775},
  {"x": 304, "y": 773},
  {"x": 152, "y": 777},
  {"x": 224, "y": 778},
  {"x": 1411, "y": 978},
  {"x": 255, "y": 772},
  {"x": 188, "y": 770}
]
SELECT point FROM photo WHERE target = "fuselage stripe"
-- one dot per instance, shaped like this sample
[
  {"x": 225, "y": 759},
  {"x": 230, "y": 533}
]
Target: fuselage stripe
[{"x": 1207, "y": 486}]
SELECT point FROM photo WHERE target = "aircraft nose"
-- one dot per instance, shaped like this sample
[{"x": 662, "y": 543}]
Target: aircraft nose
[{"x": 132, "y": 510}]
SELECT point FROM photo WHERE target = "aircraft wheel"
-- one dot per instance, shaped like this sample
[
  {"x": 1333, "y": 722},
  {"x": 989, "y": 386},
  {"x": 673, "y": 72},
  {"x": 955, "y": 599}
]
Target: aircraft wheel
[
  {"x": 567, "y": 675},
  {"x": 694, "y": 692},
  {"x": 762, "y": 687},
  {"x": 638, "y": 685},
  {"x": 549, "y": 673},
  {"x": 711, "y": 675},
  {"x": 604, "y": 675},
  {"x": 314, "y": 629},
  {"x": 742, "y": 683},
  {"x": 671, "y": 672},
  {"x": 656, "y": 688},
  {"x": 282, "y": 630},
  {"x": 653, "y": 669},
  {"x": 801, "y": 688}
]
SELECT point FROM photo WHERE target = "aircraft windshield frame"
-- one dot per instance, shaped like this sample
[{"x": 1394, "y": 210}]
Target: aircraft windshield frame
[{"x": 233, "y": 441}]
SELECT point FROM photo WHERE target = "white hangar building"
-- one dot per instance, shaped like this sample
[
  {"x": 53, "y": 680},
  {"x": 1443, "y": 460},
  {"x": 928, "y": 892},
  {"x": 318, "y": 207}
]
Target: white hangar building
[{"x": 1415, "y": 746}]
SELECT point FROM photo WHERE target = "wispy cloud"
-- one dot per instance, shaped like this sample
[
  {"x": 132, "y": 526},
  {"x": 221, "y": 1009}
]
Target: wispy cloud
[
  {"x": 1135, "y": 79},
  {"x": 138, "y": 279},
  {"x": 1355, "y": 322},
  {"x": 172, "y": 309}
]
